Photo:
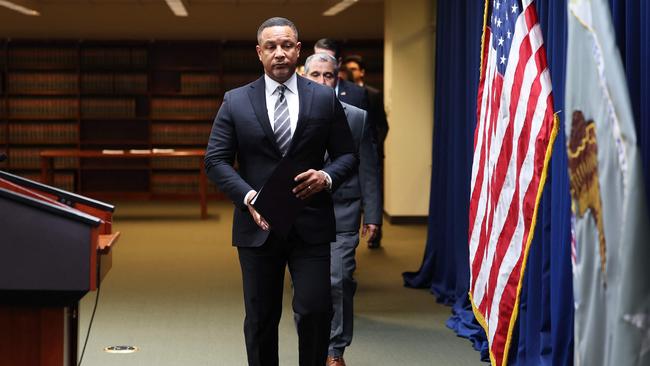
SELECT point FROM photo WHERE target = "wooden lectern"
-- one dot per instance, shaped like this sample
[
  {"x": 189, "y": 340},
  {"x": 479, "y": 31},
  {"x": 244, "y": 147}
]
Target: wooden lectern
[{"x": 55, "y": 246}]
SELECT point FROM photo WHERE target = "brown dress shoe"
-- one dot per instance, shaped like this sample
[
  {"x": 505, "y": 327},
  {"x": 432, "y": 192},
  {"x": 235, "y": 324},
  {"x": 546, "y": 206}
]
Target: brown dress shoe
[{"x": 335, "y": 361}]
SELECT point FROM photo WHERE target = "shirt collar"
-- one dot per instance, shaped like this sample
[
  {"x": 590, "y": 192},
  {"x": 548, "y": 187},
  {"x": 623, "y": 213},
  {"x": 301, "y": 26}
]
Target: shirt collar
[{"x": 270, "y": 85}]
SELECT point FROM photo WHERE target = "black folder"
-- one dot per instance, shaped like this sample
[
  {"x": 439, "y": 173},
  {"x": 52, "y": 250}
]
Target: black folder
[{"x": 275, "y": 201}]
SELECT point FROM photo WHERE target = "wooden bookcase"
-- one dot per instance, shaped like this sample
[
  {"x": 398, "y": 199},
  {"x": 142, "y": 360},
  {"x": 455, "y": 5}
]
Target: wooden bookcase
[{"x": 121, "y": 95}]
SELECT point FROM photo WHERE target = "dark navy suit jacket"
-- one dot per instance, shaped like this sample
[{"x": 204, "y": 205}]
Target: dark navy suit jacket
[{"x": 242, "y": 131}]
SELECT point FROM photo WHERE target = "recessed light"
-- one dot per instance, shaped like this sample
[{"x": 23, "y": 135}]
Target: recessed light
[
  {"x": 177, "y": 7},
  {"x": 339, "y": 7},
  {"x": 23, "y": 7}
]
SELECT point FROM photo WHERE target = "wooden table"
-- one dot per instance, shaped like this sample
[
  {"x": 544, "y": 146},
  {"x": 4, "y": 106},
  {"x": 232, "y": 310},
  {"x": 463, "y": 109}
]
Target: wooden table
[{"x": 47, "y": 164}]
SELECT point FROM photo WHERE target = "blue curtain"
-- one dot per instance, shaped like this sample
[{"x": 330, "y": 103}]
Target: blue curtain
[
  {"x": 445, "y": 267},
  {"x": 632, "y": 28}
]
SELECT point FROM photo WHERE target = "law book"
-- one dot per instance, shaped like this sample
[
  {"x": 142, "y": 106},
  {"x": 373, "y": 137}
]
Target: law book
[{"x": 275, "y": 201}]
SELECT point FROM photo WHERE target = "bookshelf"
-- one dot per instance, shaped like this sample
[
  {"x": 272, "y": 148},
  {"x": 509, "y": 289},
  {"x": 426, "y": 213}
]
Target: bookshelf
[
  {"x": 95, "y": 95},
  {"x": 40, "y": 100}
]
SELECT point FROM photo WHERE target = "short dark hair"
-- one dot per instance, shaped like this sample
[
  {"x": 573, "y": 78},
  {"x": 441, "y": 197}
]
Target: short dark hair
[
  {"x": 355, "y": 58},
  {"x": 330, "y": 45},
  {"x": 276, "y": 22}
]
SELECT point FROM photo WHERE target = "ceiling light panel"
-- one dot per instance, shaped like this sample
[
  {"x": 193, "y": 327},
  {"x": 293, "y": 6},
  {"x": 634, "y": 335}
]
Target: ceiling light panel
[
  {"x": 339, "y": 7},
  {"x": 23, "y": 7},
  {"x": 177, "y": 7}
]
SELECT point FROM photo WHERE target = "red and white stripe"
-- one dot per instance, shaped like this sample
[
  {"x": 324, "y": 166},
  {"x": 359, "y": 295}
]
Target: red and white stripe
[{"x": 513, "y": 134}]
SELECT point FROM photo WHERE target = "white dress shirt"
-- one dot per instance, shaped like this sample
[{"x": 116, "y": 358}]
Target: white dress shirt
[{"x": 290, "y": 94}]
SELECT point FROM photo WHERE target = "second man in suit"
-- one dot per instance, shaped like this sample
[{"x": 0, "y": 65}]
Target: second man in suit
[{"x": 360, "y": 191}]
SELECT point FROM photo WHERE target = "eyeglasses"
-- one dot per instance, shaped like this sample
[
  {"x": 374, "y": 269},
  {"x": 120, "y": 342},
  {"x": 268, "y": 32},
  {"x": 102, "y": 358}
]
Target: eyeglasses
[{"x": 325, "y": 75}]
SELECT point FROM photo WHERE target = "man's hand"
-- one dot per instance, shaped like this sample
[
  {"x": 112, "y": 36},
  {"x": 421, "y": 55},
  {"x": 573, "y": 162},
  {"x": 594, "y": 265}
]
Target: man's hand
[
  {"x": 371, "y": 230},
  {"x": 259, "y": 220},
  {"x": 311, "y": 182}
]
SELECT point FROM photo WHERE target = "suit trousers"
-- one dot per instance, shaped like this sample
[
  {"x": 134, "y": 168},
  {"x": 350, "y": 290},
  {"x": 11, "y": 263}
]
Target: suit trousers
[
  {"x": 263, "y": 271},
  {"x": 344, "y": 286}
]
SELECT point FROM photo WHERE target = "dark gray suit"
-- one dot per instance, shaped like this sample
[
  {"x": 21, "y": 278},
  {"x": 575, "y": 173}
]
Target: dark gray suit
[{"x": 359, "y": 190}]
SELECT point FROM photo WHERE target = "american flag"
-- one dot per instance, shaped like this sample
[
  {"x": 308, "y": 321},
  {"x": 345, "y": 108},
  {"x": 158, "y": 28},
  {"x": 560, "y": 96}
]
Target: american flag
[{"x": 512, "y": 145}]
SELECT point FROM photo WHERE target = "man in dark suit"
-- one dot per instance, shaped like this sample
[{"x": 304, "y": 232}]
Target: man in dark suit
[
  {"x": 359, "y": 190},
  {"x": 278, "y": 115},
  {"x": 356, "y": 67}
]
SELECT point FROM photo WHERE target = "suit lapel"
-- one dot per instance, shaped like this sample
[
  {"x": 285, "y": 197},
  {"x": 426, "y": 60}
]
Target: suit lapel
[
  {"x": 258, "y": 100},
  {"x": 305, "y": 94}
]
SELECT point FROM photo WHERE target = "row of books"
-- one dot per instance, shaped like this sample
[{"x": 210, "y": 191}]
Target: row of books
[
  {"x": 117, "y": 83},
  {"x": 169, "y": 134},
  {"x": 68, "y": 57},
  {"x": 42, "y": 58},
  {"x": 177, "y": 183},
  {"x": 29, "y": 158},
  {"x": 43, "y": 107},
  {"x": 200, "y": 84},
  {"x": 107, "y": 108},
  {"x": 43, "y": 133},
  {"x": 114, "y": 57},
  {"x": 41, "y": 83},
  {"x": 170, "y": 108},
  {"x": 68, "y": 107},
  {"x": 239, "y": 59},
  {"x": 177, "y": 163},
  {"x": 114, "y": 83},
  {"x": 233, "y": 80}
]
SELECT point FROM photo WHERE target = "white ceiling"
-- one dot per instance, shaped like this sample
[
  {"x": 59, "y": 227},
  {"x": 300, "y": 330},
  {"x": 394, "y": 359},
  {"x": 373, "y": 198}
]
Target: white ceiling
[{"x": 208, "y": 19}]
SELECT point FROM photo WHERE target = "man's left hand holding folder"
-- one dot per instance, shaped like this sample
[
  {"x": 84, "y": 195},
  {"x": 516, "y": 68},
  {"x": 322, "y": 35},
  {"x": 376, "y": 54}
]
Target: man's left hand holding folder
[{"x": 310, "y": 182}]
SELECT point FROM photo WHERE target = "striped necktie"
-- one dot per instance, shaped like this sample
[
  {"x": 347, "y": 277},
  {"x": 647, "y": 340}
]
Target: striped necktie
[{"x": 281, "y": 122}]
